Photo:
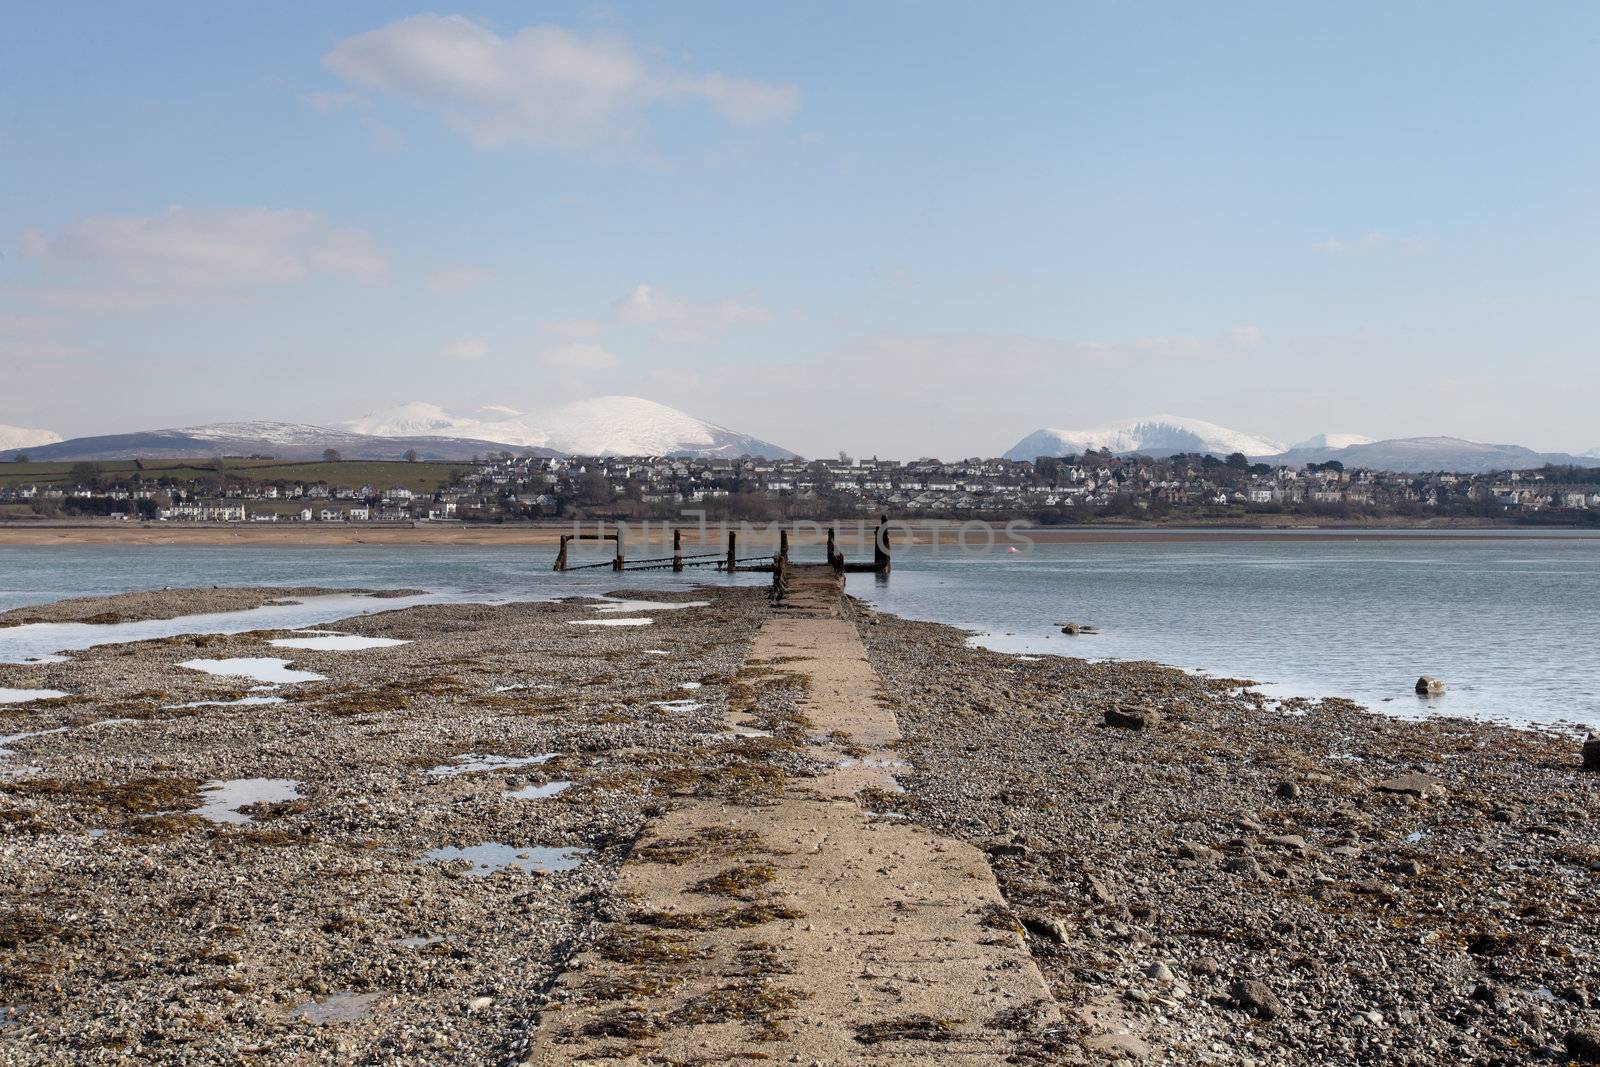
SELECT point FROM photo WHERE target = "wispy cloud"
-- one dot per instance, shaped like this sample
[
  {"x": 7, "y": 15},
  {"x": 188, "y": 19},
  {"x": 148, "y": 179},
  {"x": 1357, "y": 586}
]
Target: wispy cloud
[
  {"x": 684, "y": 321},
  {"x": 542, "y": 85},
  {"x": 184, "y": 255}
]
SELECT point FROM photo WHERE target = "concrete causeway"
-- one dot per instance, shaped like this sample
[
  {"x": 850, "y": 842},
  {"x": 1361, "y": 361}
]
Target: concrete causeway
[{"x": 807, "y": 929}]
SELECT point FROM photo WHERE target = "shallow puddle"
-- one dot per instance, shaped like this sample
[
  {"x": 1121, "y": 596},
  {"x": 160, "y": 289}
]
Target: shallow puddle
[
  {"x": 337, "y": 642},
  {"x": 538, "y": 792},
  {"x": 478, "y": 761},
  {"x": 617, "y": 607},
  {"x": 241, "y": 702},
  {"x": 691, "y": 685},
  {"x": 22, "y": 696},
  {"x": 258, "y": 668},
  {"x": 657, "y": 652},
  {"x": 610, "y": 622},
  {"x": 679, "y": 705},
  {"x": 338, "y": 1008},
  {"x": 224, "y": 798},
  {"x": 492, "y": 856},
  {"x": 43, "y": 639}
]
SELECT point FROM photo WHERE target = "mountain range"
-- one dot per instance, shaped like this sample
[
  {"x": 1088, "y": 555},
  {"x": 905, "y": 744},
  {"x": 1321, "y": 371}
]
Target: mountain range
[
  {"x": 608, "y": 426},
  {"x": 1163, "y": 435},
  {"x": 602, "y": 426},
  {"x": 633, "y": 426}
]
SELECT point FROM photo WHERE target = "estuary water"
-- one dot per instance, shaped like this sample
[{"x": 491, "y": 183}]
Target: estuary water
[{"x": 1512, "y": 622}]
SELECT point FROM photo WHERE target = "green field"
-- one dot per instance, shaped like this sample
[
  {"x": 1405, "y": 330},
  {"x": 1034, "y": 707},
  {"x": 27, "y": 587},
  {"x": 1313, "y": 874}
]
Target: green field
[{"x": 344, "y": 474}]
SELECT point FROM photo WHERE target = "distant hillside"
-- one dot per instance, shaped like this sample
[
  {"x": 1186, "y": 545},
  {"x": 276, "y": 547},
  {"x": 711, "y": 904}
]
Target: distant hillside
[
  {"x": 283, "y": 440},
  {"x": 1429, "y": 454}
]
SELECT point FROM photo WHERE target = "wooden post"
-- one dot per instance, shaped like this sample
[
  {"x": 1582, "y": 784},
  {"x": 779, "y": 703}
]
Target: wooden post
[
  {"x": 834, "y": 559},
  {"x": 677, "y": 550},
  {"x": 733, "y": 551},
  {"x": 783, "y": 547},
  {"x": 561, "y": 556},
  {"x": 880, "y": 546},
  {"x": 616, "y": 564}
]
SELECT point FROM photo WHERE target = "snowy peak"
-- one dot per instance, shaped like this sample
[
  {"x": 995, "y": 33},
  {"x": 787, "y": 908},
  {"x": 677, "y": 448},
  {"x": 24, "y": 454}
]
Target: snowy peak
[
  {"x": 22, "y": 437},
  {"x": 1152, "y": 435},
  {"x": 602, "y": 426}
]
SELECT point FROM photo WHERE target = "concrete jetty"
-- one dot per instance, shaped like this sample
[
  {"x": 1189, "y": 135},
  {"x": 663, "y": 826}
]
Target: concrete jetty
[{"x": 848, "y": 937}]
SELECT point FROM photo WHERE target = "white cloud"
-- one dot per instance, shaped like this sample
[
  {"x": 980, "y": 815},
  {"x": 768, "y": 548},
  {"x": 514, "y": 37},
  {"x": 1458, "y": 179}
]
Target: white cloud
[
  {"x": 131, "y": 262},
  {"x": 686, "y": 321},
  {"x": 578, "y": 356},
  {"x": 453, "y": 280},
  {"x": 1247, "y": 335},
  {"x": 466, "y": 351},
  {"x": 542, "y": 85}
]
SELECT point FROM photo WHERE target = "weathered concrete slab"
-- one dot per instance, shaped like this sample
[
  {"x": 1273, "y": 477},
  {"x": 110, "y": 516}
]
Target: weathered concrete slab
[{"x": 806, "y": 930}]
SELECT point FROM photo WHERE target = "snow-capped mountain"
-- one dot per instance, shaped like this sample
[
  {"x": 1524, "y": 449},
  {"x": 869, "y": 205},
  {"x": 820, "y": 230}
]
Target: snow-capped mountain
[
  {"x": 22, "y": 437},
  {"x": 603, "y": 426},
  {"x": 1154, "y": 435},
  {"x": 281, "y": 440},
  {"x": 1593, "y": 453},
  {"x": 1333, "y": 440}
]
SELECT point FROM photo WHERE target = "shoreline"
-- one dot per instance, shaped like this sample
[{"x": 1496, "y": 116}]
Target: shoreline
[
  {"x": 917, "y": 532},
  {"x": 1402, "y": 891}
]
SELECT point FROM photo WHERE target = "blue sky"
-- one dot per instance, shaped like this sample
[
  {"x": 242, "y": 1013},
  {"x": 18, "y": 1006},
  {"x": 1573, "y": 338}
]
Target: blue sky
[{"x": 893, "y": 228}]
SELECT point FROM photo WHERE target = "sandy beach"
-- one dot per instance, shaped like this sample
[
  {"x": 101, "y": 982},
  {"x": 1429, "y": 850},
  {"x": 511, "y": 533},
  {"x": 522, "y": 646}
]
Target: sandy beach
[{"x": 477, "y": 846}]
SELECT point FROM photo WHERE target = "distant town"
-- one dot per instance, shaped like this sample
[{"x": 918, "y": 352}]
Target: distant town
[{"x": 1095, "y": 487}]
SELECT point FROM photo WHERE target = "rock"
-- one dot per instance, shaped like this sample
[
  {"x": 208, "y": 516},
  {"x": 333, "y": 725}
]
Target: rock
[
  {"x": 1132, "y": 717},
  {"x": 1098, "y": 891},
  {"x": 1193, "y": 850},
  {"x": 1254, "y": 997},
  {"x": 1042, "y": 924},
  {"x": 1071, "y": 629},
  {"x": 1158, "y": 972},
  {"x": 1288, "y": 791},
  {"x": 1245, "y": 865},
  {"x": 1583, "y": 1046},
  {"x": 1430, "y": 685},
  {"x": 1291, "y": 843},
  {"x": 1591, "y": 753},
  {"x": 1206, "y": 966},
  {"x": 1413, "y": 784}
]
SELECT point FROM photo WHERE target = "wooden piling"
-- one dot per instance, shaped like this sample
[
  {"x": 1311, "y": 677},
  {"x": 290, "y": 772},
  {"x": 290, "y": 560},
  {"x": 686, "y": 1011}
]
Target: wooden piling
[
  {"x": 561, "y": 556},
  {"x": 617, "y": 564},
  {"x": 835, "y": 557},
  {"x": 733, "y": 551},
  {"x": 677, "y": 550},
  {"x": 783, "y": 546},
  {"x": 880, "y": 546}
]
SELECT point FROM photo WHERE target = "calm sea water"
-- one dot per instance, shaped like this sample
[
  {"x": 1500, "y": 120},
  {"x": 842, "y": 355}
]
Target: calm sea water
[{"x": 1512, "y": 625}]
